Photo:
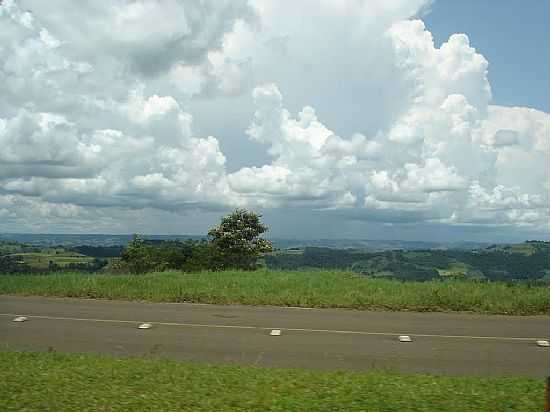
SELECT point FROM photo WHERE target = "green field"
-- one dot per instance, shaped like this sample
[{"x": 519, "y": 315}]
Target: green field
[
  {"x": 455, "y": 269},
  {"x": 41, "y": 260},
  {"x": 53, "y": 382},
  {"x": 527, "y": 248},
  {"x": 284, "y": 288}
]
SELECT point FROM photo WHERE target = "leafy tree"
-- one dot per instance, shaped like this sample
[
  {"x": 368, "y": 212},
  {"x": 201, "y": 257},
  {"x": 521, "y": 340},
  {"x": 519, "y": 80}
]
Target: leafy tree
[
  {"x": 188, "y": 256},
  {"x": 138, "y": 256},
  {"x": 236, "y": 241}
]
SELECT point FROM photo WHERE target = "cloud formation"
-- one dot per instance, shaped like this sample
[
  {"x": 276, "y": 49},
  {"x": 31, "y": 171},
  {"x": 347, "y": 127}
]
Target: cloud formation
[{"x": 357, "y": 109}]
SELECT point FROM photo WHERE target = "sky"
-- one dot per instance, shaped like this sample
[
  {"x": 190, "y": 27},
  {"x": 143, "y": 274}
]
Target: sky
[{"x": 374, "y": 119}]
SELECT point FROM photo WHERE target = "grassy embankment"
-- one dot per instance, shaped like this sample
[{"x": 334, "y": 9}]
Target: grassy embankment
[
  {"x": 54, "y": 382},
  {"x": 306, "y": 289}
]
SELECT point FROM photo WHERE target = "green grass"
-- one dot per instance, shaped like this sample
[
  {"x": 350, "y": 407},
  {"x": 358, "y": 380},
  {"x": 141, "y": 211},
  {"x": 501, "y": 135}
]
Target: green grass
[
  {"x": 306, "y": 289},
  {"x": 54, "y": 382}
]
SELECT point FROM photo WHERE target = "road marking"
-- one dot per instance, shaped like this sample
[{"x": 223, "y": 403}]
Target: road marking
[{"x": 343, "y": 332}]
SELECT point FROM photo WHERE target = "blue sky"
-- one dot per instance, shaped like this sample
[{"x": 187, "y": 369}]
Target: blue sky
[
  {"x": 513, "y": 35},
  {"x": 332, "y": 118}
]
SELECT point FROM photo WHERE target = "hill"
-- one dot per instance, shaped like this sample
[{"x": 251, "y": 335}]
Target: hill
[{"x": 529, "y": 261}]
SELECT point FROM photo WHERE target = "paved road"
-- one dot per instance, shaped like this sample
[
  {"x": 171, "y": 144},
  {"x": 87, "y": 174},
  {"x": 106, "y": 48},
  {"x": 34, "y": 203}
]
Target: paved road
[{"x": 457, "y": 344}]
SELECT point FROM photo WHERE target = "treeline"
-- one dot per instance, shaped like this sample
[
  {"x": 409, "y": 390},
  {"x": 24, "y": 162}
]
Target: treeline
[
  {"x": 141, "y": 256},
  {"x": 234, "y": 244},
  {"x": 99, "y": 251},
  {"x": 13, "y": 265},
  {"x": 489, "y": 264},
  {"x": 93, "y": 266},
  {"x": 391, "y": 263}
]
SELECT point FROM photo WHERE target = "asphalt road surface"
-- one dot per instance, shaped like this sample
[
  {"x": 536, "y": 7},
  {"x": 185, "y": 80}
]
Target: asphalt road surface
[{"x": 442, "y": 343}]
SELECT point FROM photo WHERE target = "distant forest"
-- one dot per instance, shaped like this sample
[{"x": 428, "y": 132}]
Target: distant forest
[
  {"x": 529, "y": 261},
  {"x": 523, "y": 262}
]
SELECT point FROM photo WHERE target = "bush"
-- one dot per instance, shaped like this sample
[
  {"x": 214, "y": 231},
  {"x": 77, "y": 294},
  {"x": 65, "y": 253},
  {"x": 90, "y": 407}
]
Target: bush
[{"x": 142, "y": 257}]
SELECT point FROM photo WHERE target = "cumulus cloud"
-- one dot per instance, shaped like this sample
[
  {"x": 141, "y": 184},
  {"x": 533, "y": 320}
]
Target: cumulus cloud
[
  {"x": 448, "y": 157},
  {"x": 64, "y": 144},
  {"x": 359, "y": 113},
  {"x": 145, "y": 38}
]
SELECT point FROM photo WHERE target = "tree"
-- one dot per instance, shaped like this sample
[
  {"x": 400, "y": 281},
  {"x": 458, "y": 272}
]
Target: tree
[
  {"x": 236, "y": 241},
  {"x": 142, "y": 256},
  {"x": 138, "y": 257}
]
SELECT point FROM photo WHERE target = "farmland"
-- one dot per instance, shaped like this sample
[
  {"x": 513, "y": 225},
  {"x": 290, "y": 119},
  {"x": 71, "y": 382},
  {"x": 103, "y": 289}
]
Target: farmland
[{"x": 57, "y": 257}]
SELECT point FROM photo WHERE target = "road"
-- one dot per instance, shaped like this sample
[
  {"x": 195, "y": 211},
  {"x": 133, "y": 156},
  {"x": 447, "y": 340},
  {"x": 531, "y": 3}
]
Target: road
[{"x": 443, "y": 343}]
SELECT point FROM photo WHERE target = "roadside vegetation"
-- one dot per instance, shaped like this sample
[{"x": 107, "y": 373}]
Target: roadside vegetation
[
  {"x": 55, "y": 382},
  {"x": 528, "y": 262},
  {"x": 236, "y": 265},
  {"x": 321, "y": 289},
  {"x": 237, "y": 243}
]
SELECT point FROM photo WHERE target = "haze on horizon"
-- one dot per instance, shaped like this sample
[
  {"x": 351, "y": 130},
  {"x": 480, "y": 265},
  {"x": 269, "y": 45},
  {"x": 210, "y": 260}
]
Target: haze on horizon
[{"x": 373, "y": 119}]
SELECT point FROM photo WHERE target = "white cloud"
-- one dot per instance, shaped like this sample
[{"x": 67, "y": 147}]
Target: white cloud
[{"x": 355, "y": 106}]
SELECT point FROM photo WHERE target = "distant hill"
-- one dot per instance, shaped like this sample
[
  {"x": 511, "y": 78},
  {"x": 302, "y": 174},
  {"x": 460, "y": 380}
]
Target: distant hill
[
  {"x": 375, "y": 245},
  {"x": 529, "y": 261},
  {"x": 404, "y": 260},
  {"x": 71, "y": 240}
]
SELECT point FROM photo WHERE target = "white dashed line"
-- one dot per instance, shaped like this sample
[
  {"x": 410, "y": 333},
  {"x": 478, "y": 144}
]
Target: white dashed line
[{"x": 306, "y": 330}]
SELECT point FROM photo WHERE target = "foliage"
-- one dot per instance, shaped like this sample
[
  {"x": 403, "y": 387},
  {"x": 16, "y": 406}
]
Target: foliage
[
  {"x": 141, "y": 256},
  {"x": 13, "y": 264},
  {"x": 58, "y": 382},
  {"x": 138, "y": 257},
  {"x": 236, "y": 240},
  {"x": 99, "y": 251},
  {"x": 235, "y": 243},
  {"x": 526, "y": 262},
  {"x": 321, "y": 289}
]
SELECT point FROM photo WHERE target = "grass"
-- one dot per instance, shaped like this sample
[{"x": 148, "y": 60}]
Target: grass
[
  {"x": 54, "y": 382},
  {"x": 305, "y": 289},
  {"x": 41, "y": 260}
]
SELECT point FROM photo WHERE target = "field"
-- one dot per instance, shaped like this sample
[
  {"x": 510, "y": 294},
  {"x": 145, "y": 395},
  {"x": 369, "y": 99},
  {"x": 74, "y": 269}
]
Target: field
[
  {"x": 321, "y": 289},
  {"x": 61, "y": 258},
  {"x": 54, "y": 382},
  {"x": 455, "y": 269}
]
